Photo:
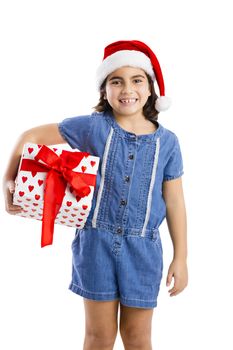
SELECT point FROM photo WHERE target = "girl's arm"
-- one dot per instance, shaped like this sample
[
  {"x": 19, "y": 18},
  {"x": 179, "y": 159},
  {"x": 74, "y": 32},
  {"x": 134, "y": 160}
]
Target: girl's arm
[
  {"x": 45, "y": 134},
  {"x": 177, "y": 226}
]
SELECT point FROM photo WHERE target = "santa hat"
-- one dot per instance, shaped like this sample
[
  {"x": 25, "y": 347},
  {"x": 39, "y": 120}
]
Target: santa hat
[{"x": 133, "y": 53}]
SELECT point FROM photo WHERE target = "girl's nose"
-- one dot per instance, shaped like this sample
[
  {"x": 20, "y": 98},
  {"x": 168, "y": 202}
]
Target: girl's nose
[{"x": 127, "y": 88}]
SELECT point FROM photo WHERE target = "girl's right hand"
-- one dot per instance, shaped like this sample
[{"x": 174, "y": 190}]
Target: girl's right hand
[{"x": 9, "y": 191}]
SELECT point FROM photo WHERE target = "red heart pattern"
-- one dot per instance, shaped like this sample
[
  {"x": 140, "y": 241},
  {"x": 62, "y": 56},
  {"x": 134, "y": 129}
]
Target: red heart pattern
[
  {"x": 30, "y": 187},
  {"x": 24, "y": 179}
]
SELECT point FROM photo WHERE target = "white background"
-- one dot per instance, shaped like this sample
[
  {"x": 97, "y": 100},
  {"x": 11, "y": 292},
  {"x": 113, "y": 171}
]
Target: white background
[{"x": 49, "y": 54}]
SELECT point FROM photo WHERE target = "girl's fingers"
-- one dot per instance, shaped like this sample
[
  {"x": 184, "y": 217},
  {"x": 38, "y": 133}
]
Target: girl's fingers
[
  {"x": 177, "y": 288},
  {"x": 169, "y": 279},
  {"x": 174, "y": 291},
  {"x": 11, "y": 186},
  {"x": 10, "y": 207}
]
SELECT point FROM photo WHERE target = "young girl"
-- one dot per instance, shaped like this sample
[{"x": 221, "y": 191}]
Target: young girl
[{"x": 117, "y": 257}]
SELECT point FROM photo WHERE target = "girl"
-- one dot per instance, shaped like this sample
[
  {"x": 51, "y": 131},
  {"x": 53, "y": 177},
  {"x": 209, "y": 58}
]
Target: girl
[{"x": 117, "y": 257}]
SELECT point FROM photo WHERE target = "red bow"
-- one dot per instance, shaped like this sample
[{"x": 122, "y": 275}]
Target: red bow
[{"x": 60, "y": 173}]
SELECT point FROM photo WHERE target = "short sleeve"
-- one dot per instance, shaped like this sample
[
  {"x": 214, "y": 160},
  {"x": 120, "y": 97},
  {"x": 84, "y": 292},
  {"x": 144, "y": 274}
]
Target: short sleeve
[
  {"x": 174, "y": 166},
  {"x": 76, "y": 130}
]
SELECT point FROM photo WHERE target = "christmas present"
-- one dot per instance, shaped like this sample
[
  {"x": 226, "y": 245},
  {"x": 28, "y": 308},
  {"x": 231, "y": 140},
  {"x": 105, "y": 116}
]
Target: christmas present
[{"x": 55, "y": 186}]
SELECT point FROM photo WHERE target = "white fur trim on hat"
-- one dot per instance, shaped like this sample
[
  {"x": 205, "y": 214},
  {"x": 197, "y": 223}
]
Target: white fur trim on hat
[{"x": 123, "y": 58}]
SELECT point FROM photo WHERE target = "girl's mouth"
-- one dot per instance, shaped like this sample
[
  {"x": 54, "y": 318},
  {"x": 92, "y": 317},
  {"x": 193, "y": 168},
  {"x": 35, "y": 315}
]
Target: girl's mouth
[{"x": 128, "y": 101}]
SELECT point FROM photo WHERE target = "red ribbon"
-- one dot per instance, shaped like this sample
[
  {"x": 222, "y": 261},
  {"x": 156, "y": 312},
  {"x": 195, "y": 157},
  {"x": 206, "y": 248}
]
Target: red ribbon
[{"x": 60, "y": 173}]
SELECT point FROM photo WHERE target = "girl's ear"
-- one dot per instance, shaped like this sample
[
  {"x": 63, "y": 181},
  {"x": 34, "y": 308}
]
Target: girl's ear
[{"x": 103, "y": 93}]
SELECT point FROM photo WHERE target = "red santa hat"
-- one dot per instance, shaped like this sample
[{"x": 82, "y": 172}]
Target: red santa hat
[{"x": 133, "y": 53}]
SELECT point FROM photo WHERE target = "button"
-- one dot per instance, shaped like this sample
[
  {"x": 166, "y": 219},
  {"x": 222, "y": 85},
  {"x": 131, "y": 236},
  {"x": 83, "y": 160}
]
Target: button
[
  {"x": 119, "y": 230},
  {"x": 131, "y": 156},
  {"x": 123, "y": 202},
  {"x": 127, "y": 178}
]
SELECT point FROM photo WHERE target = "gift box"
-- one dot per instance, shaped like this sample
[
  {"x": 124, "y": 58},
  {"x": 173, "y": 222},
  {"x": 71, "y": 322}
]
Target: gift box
[{"x": 55, "y": 186}]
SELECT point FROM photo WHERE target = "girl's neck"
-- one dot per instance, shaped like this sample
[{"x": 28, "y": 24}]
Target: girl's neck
[{"x": 138, "y": 125}]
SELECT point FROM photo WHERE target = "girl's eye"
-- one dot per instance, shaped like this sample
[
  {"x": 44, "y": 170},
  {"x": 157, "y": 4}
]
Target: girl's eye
[
  {"x": 137, "y": 81},
  {"x": 116, "y": 82}
]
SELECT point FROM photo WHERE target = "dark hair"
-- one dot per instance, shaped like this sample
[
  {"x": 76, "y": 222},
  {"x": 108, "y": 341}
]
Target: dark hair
[{"x": 149, "y": 110}]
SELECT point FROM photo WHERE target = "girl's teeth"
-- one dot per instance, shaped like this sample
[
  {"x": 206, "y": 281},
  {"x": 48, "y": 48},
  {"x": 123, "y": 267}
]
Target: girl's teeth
[{"x": 130, "y": 100}]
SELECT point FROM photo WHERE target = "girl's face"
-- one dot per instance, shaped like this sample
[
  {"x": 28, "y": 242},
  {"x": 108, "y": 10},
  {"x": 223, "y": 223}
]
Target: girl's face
[{"x": 127, "y": 91}]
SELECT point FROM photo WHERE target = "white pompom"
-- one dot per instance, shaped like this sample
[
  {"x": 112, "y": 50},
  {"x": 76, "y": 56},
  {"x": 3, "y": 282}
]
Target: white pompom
[{"x": 162, "y": 103}]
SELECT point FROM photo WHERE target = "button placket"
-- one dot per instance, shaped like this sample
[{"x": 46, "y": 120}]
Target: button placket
[{"x": 123, "y": 209}]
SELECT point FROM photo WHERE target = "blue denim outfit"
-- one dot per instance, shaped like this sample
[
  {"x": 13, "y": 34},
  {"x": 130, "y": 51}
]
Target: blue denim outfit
[{"x": 118, "y": 253}]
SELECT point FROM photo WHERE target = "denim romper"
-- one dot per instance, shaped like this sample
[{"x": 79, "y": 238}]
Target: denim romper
[{"x": 118, "y": 254}]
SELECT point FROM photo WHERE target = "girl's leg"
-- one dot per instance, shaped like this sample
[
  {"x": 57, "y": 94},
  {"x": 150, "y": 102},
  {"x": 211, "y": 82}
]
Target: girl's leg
[
  {"x": 101, "y": 324},
  {"x": 135, "y": 327}
]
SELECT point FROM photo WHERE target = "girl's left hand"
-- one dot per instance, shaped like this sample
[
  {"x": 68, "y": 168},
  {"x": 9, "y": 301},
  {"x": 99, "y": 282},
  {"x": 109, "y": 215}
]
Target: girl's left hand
[
  {"x": 179, "y": 271},
  {"x": 9, "y": 189}
]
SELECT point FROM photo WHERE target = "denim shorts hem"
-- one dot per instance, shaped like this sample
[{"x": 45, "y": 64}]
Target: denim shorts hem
[
  {"x": 138, "y": 303},
  {"x": 93, "y": 296}
]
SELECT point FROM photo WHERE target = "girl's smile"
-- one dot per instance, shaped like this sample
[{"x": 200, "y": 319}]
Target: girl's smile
[{"x": 128, "y": 100}]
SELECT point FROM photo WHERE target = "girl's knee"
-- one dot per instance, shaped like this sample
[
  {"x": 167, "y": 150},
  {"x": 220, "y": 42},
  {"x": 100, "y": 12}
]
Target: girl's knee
[
  {"x": 135, "y": 336},
  {"x": 99, "y": 340},
  {"x": 136, "y": 340}
]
